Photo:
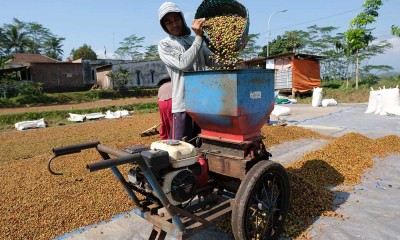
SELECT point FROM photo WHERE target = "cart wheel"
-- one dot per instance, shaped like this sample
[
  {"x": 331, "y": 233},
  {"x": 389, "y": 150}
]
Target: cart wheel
[{"x": 261, "y": 202}]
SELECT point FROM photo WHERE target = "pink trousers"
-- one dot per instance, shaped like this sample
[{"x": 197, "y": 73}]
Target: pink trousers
[{"x": 165, "y": 108}]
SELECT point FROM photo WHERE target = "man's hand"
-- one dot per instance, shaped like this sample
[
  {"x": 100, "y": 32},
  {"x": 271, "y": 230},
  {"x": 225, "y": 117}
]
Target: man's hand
[{"x": 197, "y": 26}]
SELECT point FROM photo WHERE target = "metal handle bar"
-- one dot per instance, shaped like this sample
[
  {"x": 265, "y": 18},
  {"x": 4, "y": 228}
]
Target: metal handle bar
[
  {"x": 113, "y": 162},
  {"x": 60, "y": 151},
  {"x": 122, "y": 157},
  {"x": 74, "y": 148}
]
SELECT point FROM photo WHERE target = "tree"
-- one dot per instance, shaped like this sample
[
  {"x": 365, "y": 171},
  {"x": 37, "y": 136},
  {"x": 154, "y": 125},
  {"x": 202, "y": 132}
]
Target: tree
[
  {"x": 120, "y": 77},
  {"x": 130, "y": 48},
  {"x": 358, "y": 37},
  {"x": 151, "y": 53},
  {"x": 295, "y": 40},
  {"x": 277, "y": 46},
  {"x": 251, "y": 50},
  {"x": 3, "y": 61},
  {"x": 39, "y": 36},
  {"x": 290, "y": 42},
  {"x": 53, "y": 48},
  {"x": 84, "y": 52},
  {"x": 28, "y": 37},
  {"x": 14, "y": 39},
  {"x": 396, "y": 30},
  {"x": 322, "y": 41}
]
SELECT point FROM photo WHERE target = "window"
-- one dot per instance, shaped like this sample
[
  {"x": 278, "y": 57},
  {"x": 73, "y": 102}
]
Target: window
[
  {"x": 152, "y": 76},
  {"x": 137, "y": 77},
  {"x": 93, "y": 74}
]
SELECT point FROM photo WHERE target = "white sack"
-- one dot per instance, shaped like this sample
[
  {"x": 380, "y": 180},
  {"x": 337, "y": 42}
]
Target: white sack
[
  {"x": 378, "y": 102},
  {"x": 280, "y": 111},
  {"x": 30, "y": 124},
  {"x": 124, "y": 113},
  {"x": 329, "y": 102},
  {"x": 76, "y": 117},
  {"x": 117, "y": 114},
  {"x": 317, "y": 97},
  {"x": 390, "y": 99},
  {"x": 372, "y": 101},
  {"x": 393, "y": 110}
]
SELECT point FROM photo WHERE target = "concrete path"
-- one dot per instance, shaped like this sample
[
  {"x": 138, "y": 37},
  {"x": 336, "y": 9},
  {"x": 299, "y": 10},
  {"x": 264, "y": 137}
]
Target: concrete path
[
  {"x": 334, "y": 121},
  {"x": 342, "y": 119}
]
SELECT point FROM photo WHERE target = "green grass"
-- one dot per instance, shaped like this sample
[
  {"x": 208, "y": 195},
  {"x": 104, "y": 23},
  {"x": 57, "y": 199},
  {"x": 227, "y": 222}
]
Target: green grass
[
  {"x": 53, "y": 118},
  {"x": 74, "y": 97}
]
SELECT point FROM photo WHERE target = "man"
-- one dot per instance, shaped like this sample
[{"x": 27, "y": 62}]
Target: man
[
  {"x": 181, "y": 52},
  {"x": 165, "y": 106}
]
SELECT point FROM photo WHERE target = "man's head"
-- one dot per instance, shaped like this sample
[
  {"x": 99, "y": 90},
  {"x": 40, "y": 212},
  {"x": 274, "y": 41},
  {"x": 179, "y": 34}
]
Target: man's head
[{"x": 172, "y": 20}]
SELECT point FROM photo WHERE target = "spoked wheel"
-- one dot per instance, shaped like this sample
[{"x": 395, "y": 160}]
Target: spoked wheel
[{"x": 261, "y": 202}]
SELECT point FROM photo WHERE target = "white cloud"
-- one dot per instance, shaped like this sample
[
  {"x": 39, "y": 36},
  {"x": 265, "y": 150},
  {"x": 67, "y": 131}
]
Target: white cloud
[
  {"x": 391, "y": 56},
  {"x": 395, "y": 41}
]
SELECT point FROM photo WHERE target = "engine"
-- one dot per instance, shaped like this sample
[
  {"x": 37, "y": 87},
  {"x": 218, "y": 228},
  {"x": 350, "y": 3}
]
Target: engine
[{"x": 177, "y": 168}]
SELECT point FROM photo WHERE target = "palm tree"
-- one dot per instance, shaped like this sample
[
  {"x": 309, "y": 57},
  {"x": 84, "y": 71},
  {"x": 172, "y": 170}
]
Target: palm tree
[
  {"x": 53, "y": 47},
  {"x": 14, "y": 40}
]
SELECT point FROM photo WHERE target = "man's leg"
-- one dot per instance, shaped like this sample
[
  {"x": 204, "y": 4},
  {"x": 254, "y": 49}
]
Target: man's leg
[{"x": 183, "y": 126}]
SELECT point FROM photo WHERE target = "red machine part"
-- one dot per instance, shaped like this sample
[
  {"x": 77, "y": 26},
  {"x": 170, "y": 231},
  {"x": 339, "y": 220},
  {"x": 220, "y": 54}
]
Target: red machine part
[{"x": 202, "y": 179}]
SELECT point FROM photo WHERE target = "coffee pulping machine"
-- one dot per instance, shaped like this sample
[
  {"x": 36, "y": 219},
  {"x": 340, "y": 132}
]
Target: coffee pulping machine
[{"x": 227, "y": 170}]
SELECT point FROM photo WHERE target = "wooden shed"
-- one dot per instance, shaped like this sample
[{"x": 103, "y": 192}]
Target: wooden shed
[{"x": 294, "y": 72}]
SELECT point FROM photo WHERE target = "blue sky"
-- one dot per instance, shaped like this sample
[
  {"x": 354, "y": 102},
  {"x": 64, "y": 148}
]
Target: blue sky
[{"x": 103, "y": 23}]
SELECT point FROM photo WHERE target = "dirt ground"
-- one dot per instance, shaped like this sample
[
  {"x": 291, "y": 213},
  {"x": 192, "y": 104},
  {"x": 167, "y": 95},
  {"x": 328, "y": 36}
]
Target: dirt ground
[{"x": 37, "y": 205}]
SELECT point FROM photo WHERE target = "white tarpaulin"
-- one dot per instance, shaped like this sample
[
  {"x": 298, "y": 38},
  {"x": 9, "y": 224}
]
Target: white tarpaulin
[
  {"x": 76, "y": 117},
  {"x": 30, "y": 124},
  {"x": 92, "y": 116}
]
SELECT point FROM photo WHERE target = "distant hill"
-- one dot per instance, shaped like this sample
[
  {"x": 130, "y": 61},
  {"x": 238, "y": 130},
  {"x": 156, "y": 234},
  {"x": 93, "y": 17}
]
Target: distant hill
[{"x": 389, "y": 74}]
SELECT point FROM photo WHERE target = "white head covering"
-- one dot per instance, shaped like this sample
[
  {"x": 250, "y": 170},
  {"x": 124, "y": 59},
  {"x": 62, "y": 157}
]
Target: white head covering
[{"x": 169, "y": 7}]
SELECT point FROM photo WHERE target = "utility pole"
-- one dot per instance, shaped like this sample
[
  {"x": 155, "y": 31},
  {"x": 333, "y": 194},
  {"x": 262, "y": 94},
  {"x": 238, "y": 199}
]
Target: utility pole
[{"x": 268, "y": 29}]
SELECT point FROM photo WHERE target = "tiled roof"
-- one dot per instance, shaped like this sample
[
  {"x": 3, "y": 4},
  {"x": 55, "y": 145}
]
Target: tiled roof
[{"x": 30, "y": 58}]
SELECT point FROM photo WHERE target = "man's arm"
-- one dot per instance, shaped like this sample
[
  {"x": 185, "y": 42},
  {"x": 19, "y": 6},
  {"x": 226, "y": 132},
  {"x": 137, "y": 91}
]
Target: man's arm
[{"x": 172, "y": 56}]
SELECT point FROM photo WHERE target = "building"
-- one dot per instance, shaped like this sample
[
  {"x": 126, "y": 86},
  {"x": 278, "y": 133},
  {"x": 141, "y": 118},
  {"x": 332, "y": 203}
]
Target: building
[
  {"x": 90, "y": 66},
  {"x": 141, "y": 74},
  {"x": 54, "y": 75},
  {"x": 81, "y": 74}
]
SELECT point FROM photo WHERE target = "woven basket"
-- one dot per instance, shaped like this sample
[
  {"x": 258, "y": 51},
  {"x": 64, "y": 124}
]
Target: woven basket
[{"x": 214, "y": 8}]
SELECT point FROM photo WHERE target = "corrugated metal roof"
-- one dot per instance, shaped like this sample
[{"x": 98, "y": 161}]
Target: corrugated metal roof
[{"x": 296, "y": 55}]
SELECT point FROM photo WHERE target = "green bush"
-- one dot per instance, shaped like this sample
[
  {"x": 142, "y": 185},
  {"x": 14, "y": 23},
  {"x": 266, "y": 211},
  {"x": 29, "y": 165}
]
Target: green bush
[
  {"x": 24, "y": 100},
  {"x": 30, "y": 88},
  {"x": 335, "y": 84},
  {"x": 7, "y": 103},
  {"x": 18, "y": 88}
]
